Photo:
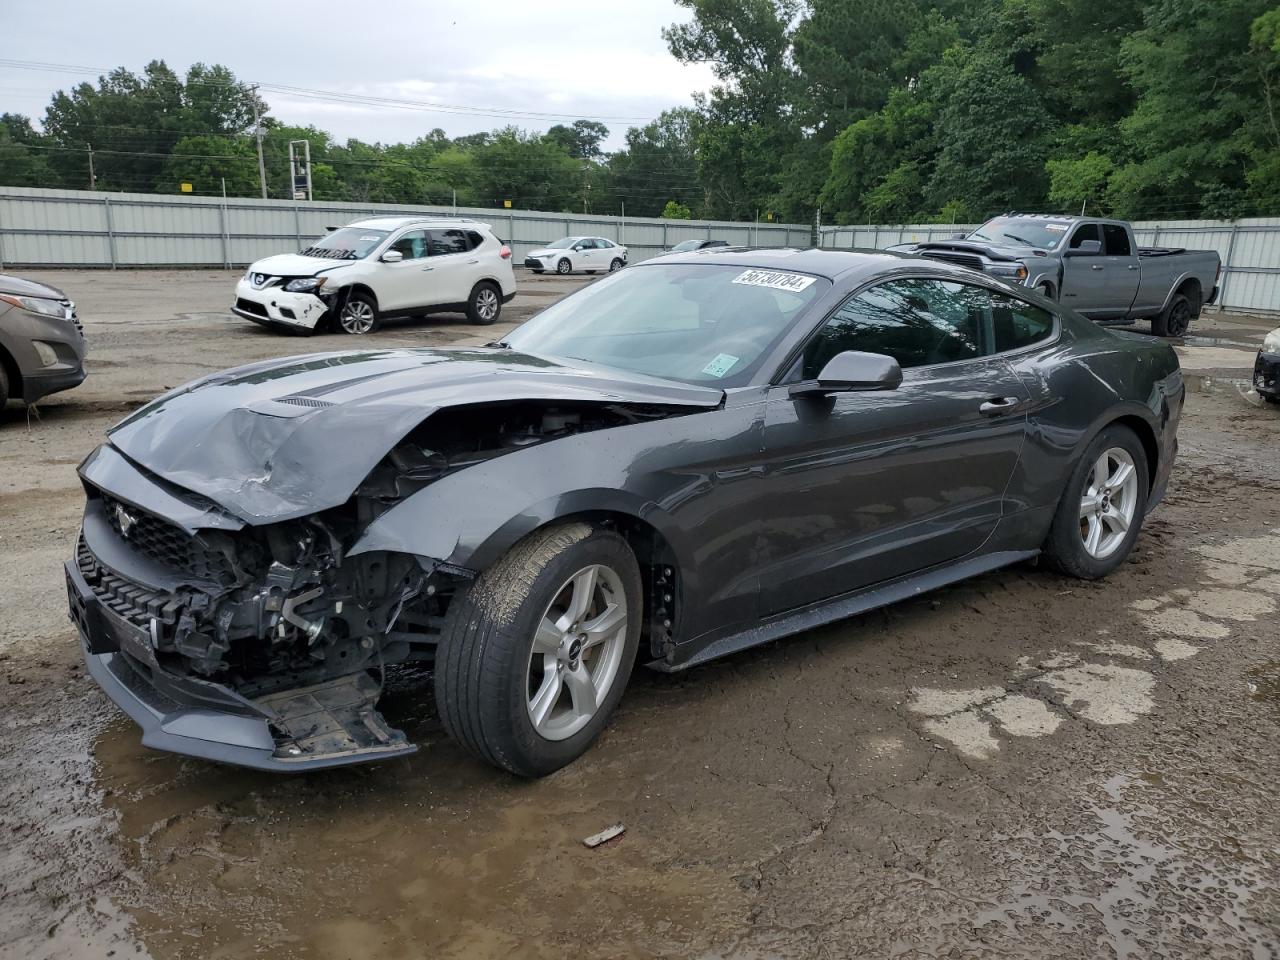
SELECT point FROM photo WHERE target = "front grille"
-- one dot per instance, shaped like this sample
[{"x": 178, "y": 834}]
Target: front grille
[
  {"x": 251, "y": 306},
  {"x": 960, "y": 259},
  {"x": 128, "y": 600},
  {"x": 532, "y": 262},
  {"x": 167, "y": 543}
]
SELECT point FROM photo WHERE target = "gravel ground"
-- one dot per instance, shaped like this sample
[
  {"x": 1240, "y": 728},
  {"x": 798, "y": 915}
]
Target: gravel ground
[{"x": 1018, "y": 766}]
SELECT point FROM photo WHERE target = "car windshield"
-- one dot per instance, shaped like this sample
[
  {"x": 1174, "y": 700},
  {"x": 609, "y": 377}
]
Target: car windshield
[
  {"x": 685, "y": 245},
  {"x": 561, "y": 244},
  {"x": 706, "y": 324},
  {"x": 346, "y": 243},
  {"x": 1011, "y": 231}
]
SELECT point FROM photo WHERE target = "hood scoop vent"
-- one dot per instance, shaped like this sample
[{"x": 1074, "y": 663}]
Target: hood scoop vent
[{"x": 306, "y": 402}]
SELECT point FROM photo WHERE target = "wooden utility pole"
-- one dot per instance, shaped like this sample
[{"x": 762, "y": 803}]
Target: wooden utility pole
[{"x": 93, "y": 180}]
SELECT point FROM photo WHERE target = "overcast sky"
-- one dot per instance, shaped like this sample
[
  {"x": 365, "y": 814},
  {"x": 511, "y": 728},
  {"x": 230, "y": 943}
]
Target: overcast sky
[{"x": 588, "y": 58}]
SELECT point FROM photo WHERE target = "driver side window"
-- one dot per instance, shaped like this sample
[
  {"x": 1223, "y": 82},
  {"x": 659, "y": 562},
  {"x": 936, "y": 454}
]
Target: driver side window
[
  {"x": 1086, "y": 231},
  {"x": 917, "y": 322},
  {"x": 413, "y": 245}
]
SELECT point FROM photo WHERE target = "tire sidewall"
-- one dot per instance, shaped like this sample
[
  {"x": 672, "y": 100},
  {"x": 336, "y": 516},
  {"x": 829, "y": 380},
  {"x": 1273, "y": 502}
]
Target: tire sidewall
[
  {"x": 532, "y": 754},
  {"x": 1065, "y": 546},
  {"x": 4, "y": 388},
  {"x": 615, "y": 265},
  {"x": 563, "y": 266}
]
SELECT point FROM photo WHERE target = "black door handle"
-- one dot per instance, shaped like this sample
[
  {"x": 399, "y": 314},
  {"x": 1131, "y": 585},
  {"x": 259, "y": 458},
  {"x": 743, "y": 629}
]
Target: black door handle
[{"x": 998, "y": 405}]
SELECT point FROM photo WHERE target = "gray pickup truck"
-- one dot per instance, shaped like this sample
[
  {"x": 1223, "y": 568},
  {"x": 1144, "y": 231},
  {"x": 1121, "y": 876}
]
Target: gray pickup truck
[{"x": 1092, "y": 266}]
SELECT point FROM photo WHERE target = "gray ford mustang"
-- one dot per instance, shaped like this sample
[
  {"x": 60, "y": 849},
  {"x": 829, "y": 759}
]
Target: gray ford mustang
[{"x": 699, "y": 454}]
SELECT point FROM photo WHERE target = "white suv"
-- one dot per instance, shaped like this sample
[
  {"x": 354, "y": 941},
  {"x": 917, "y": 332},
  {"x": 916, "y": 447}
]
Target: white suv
[
  {"x": 592, "y": 254},
  {"x": 360, "y": 274}
]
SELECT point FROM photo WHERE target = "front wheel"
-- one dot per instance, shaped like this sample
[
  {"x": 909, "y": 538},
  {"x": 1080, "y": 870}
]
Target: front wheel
[
  {"x": 359, "y": 314},
  {"x": 484, "y": 304},
  {"x": 1101, "y": 511},
  {"x": 564, "y": 266},
  {"x": 535, "y": 655},
  {"x": 615, "y": 265}
]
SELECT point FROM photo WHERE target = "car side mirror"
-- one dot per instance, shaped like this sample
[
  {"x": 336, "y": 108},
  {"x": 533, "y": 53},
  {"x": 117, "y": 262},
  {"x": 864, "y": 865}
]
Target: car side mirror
[
  {"x": 958, "y": 236},
  {"x": 1087, "y": 248},
  {"x": 852, "y": 371},
  {"x": 392, "y": 256}
]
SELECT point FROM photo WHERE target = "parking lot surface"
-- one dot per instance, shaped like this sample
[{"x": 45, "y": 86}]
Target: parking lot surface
[{"x": 1017, "y": 766}]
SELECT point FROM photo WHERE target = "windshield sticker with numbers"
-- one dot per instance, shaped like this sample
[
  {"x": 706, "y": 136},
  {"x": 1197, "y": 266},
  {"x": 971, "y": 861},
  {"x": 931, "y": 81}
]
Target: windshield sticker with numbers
[
  {"x": 1057, "y": 227},
  {"x": 721, "y": 365},
  {"x": 777, "y": 279}
]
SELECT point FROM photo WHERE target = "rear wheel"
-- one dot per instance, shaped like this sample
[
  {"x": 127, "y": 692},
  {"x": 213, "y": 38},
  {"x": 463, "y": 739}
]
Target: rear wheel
[
  {"x": 4, "y": 387},
  {"x": 564, "y": 266},
  {"x": 1102, "y": 509},
  {"x": 1175, "y": 319},
  {"x": 359, "y": 314},
  {"x": 484, "y": 304},
  {"x": 535, "y": 656}
]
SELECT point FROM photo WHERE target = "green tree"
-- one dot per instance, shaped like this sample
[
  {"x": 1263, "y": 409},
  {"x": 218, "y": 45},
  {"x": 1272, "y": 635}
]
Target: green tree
[
  {"x": 1075, "y": 183},
  {"x": 658, "y": 162},
  {"x": 675, "y": 210},
  {"x": 581, "y": 140},
  {"x": 22, "y": 161},
  {"x": 205, "y": 161}
]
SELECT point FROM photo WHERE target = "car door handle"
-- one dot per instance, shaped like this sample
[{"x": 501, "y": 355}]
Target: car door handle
[
  {"x": 428, "y": 268},
  {"x": 1097, "y": 266},
  {"x": 998, "y": 405},
  {"x": 473, "y": 261},
  {"x": 1133, "y": 266}
]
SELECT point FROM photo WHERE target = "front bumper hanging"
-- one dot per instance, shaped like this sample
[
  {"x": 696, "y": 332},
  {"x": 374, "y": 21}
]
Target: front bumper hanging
[{"x": 326, "y": 725}]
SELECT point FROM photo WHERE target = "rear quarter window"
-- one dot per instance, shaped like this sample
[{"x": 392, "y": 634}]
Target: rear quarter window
[{"x": 1016, "y": 324}]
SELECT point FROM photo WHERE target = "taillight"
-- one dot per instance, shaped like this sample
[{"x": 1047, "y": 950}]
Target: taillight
[{"x": 505, "y": 252}]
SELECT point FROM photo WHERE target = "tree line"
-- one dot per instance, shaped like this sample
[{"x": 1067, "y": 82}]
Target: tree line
[{"x": 875, "y": 111}]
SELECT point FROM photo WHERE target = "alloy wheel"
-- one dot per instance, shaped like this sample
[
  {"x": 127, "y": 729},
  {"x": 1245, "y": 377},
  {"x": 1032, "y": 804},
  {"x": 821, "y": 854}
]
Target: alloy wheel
[
  {"x": 577, "y": 649},
  {"x": 615, "y": 265},
  {"x": 357, "y": 317},
  {"x": 487, "y": 303},
  {"x": 1179, "y": 318},
  {"x": 1109, "y": 502},
  {"x": 563, "y": 266}
]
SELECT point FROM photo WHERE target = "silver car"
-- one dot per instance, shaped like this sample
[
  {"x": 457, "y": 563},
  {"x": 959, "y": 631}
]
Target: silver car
[{"x": 42, "y": 344}]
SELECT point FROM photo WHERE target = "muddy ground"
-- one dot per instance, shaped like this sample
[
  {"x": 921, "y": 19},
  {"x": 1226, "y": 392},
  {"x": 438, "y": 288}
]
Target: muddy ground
[{"x": 1019, "y": 766}]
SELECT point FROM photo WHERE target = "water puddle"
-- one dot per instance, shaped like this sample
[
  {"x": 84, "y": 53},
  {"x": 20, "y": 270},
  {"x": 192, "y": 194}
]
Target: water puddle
[{"x": 1240, "y": 387}]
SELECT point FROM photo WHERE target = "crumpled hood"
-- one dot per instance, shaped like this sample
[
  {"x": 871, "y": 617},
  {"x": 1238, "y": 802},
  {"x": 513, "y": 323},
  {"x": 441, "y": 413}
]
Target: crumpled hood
[
  {"x": 296, "y": 265},
  {"x": 286, "y": 438}
]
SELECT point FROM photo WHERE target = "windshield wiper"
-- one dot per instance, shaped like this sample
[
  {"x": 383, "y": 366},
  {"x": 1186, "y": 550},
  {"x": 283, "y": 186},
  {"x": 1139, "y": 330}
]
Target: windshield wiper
[{"x": 1014, "y": 236}]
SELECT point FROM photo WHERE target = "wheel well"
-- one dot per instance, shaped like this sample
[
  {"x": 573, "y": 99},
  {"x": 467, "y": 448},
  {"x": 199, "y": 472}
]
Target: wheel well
[
  {"x": 12, "y": 373},
  {"x": 659, "y": 575},
  {"x": 1150, "y": 446},
  {"x": 1187, "y": 288},
  {"x": 359, "y": 288}
]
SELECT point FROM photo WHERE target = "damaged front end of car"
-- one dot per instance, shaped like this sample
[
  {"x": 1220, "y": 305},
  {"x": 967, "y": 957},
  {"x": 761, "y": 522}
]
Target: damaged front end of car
[{"x": 266, "y": 644}]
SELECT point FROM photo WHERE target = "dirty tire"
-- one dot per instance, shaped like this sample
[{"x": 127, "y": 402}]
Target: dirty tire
[
  {"x": 359, "y": 314},
  {"x": 1064, "y": 548},
  {"x": 485, "y": 303},
  {"x": 564, "y": 266},
  {"x": 482, "y": 660},
  {"x": 1175, "y": 319}
]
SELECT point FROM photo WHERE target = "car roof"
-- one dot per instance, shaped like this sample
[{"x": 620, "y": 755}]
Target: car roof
[
  {"x": 398, "y": 222},
  {"x": 822, "y": 263}
]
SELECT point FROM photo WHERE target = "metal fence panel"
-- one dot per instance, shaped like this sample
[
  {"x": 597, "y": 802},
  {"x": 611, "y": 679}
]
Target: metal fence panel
[
  {"x": 1249, "y": 249},
  {"x": 55, "y": 228}
]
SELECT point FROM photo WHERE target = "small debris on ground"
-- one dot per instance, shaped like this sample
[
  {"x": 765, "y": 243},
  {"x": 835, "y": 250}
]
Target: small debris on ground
[{"x": 604, "y": 836}]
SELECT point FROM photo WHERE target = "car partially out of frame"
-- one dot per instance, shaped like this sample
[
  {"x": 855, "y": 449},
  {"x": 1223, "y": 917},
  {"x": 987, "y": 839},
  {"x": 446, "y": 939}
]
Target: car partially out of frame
[{"x": 701, "y": 454}]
